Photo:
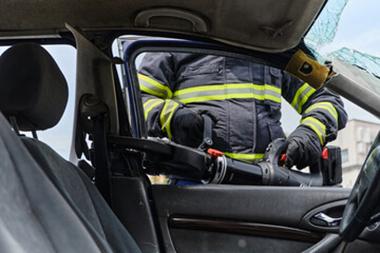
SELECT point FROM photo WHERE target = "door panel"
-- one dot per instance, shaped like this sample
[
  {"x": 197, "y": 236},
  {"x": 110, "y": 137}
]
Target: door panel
[
  {"x": 226, "y": 218},
  {"x": 215, "y": 242}
]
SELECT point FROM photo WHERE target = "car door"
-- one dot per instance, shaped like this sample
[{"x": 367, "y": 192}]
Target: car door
[
  {"x": 230, "y": 218},
  {"x": 227, "y": 218}
]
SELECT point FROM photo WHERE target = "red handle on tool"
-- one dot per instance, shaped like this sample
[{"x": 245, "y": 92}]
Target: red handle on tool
[
  {"x": 324, "y": 155},
  {"x": 214, "y": 153}
]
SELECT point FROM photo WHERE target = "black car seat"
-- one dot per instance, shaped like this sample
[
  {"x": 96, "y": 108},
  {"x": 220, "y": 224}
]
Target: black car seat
[{"x": 49, "y": 204}]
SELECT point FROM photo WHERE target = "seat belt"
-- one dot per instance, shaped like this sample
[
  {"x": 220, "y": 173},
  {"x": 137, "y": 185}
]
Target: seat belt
[
  {"x": 100, "y": 156},
  {"x": 94, "y": 120}
]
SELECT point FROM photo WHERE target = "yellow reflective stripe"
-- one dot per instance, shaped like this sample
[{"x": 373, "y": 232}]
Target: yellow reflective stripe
[
  {"x": 152, "y": 92},
  {"x": 327, "y": 106},
  {"x": 156, "y": 88},
  {"x": 317, "y": 126},
  {"x": 166, "y": 115},
  {"x": 305, "y": 98},
  {"x": 150, "y": 104},
  {"x": 228, "y": 91},
  {"x": 230, "y": 96},
  {"x": 244, "y": 157},
  {"x": 297, "y": 95},
  {"x": 301, "y": 96},
  {"x": 228, "y": 86}
]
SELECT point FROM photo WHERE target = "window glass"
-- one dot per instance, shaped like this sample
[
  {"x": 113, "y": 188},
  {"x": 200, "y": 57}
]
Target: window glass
[
  {"x": 354, "y": 140},
  {"x": 346, "y": 33},
  {"x": 344, "y": 156},
  {"x": 59, "y": 137}
]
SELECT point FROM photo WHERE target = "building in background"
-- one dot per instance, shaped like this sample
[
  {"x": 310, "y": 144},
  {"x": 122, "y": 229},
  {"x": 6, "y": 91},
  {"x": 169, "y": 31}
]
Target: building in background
[{"x": 355, "y": 141}]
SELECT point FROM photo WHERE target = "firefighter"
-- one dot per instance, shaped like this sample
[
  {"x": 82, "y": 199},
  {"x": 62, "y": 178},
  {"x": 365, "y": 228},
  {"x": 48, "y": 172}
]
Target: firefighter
[{"x": 243, "y": 99}]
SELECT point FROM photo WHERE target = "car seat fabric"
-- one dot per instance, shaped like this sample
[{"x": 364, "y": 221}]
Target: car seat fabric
[
  {"x": 34, "y": 216},
  {"x": 47, "y": 203},
  {"x": 83, "y": 196}
]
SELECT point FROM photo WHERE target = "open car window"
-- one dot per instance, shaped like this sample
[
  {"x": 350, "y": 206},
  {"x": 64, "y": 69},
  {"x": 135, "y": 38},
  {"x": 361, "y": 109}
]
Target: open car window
[
  {"x": 361, "y": 124},
  {"x": 59, "y": 137}
]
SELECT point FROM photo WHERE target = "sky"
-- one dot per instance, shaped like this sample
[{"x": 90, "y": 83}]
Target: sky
[{"x": 358, "y": 28}]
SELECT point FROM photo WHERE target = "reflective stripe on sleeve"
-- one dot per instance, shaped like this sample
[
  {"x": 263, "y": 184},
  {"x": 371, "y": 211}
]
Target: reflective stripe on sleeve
[
  {"x": 153, "y": 87},
  {"x": 245, "y": 157},
  {"x": 166, "y": 115},
  {"x": 326, "y": 106},
  {"x": 301, "y": 96},
  {"x": 317, "y": 126},
  {"x": 228, "y": 91},
  {"x": 150, "y": 104}
]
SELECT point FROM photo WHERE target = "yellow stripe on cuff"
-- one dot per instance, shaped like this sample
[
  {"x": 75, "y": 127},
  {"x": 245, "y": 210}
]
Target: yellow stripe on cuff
[{"x": 317, "y": 126}]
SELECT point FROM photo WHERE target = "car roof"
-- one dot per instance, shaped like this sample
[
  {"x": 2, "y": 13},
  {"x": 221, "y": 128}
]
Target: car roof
[{"x": 265, "y": 25}]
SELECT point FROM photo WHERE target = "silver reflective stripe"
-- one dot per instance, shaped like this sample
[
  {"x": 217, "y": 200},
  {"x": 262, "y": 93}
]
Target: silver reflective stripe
[
  {"x": 166, "y": 115},
  {"x": 216, "y": 92},
  {"x": 156, "y": 91},
  {"x": 301, "y": 96},
  {"x": 228, "y": 91},
  {"x": 317, "y": 126}
]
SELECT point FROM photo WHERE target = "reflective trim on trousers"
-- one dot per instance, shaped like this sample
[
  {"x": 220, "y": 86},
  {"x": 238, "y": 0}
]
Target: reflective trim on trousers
[
  {"x": 150, "y": 104},
  {"x": 166, "y": 115}
]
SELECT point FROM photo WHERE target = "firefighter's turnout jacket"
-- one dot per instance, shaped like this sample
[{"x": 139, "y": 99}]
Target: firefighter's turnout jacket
[{"x": 244, "y": 98}]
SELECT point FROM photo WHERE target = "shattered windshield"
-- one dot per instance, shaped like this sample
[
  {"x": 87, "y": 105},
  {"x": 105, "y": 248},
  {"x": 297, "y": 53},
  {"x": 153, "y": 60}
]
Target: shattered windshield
[{"x": 347, "y": 34}]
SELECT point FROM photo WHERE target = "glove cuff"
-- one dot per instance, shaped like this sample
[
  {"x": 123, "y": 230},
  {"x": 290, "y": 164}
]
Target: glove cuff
[
  {"x": 316, "y": 127},
  {"x": 306, "y": 131}
]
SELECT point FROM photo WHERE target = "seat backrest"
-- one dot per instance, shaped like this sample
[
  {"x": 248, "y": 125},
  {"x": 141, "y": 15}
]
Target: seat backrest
[
  {"x": 30, "y": 68},
  {"x": 34, "y": 215}
]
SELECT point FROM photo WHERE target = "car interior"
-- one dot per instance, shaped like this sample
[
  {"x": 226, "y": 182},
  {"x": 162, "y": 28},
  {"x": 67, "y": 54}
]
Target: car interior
[{"x": 102, "y": 200}]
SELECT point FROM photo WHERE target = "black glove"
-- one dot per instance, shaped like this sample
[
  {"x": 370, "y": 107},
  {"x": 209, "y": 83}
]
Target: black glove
[
  {"x": 187, "y": 127},
  {"x": 303, "y": 148}
]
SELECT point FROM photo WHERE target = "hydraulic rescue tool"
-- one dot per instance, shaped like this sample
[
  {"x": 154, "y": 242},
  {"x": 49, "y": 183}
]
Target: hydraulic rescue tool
[{"x": 208, "y": 165}]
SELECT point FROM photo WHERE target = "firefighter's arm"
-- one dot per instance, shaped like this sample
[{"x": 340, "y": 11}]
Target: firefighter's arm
[
  {"x": 322, "y": 111},
  {"x": 155, "y": 76}
]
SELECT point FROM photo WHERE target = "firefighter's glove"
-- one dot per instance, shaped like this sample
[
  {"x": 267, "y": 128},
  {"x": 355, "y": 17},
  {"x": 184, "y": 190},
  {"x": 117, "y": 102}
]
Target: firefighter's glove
[
  {"x": 303, "y": 148},
  {"x": 187, "y": 127}
]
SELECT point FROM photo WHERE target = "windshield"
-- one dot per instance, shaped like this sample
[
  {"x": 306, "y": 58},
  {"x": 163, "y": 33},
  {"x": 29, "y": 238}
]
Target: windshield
[{"x": 346, "y": 33}]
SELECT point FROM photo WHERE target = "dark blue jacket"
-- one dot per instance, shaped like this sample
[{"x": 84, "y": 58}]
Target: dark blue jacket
[{"x": 243, "y": 97}]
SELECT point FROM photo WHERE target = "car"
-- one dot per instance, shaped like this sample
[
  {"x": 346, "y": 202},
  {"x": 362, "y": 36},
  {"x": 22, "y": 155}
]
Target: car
[{"x": 101, "y": 198}]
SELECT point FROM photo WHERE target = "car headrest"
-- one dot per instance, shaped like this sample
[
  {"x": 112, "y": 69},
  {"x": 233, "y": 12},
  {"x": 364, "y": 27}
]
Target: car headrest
[{"x": 33, "y": 90}]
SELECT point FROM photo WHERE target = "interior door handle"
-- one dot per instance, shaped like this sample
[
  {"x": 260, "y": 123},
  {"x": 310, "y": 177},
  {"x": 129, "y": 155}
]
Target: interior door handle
[{"x": 324, "y": 220}]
